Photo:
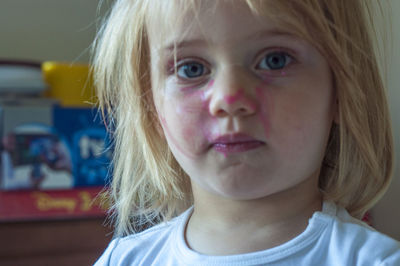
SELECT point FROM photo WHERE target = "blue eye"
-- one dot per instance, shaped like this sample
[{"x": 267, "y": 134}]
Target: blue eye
[
  {"x": 191, "y": 70},
  {"x": 274, "y": 61}
]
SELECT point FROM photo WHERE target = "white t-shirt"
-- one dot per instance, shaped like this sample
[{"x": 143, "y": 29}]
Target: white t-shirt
[{"x": 332, "y": 237}]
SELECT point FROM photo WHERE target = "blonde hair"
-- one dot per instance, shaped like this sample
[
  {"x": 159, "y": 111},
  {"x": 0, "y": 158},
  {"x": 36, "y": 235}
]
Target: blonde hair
[{"x": 148, "y": 184}]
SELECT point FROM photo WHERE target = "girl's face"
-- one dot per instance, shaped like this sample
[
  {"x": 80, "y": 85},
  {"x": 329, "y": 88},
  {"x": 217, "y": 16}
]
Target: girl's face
[{"x": 249, "y": 109}]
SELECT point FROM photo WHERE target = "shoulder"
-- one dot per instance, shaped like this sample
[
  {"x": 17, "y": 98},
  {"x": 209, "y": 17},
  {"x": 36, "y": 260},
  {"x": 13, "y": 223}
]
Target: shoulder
[
  {"x": 126, "y": 250},
  {"x": 352, "y": 237},
  {"x": 136, "y": 249}
]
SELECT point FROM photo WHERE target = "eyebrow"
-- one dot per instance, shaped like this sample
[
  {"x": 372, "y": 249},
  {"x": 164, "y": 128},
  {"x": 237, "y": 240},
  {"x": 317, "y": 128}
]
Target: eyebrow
[
  {"x": 186, "y": 43},
  {"x": 269, "y": 33}
]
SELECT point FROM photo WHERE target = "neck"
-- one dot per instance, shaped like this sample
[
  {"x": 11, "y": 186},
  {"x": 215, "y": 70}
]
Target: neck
[{"x": 221, "y": 226}]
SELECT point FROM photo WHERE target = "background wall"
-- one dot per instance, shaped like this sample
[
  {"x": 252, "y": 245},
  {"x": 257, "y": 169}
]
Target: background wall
[
  {"x": 63, "y": 30},
  {"x": 387, "y": 212},
  {"x": 47, "y": 29}
]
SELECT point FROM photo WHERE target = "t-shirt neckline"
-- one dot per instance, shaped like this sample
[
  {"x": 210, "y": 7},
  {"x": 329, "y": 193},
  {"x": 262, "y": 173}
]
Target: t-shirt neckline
[{"x": 317, "y": 223}]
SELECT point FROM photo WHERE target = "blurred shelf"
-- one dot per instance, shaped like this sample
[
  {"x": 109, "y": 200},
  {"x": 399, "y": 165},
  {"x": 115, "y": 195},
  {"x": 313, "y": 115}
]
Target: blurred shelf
[
  {"x": 32, "y": 205},
  {"x": 62, "y": 242}
]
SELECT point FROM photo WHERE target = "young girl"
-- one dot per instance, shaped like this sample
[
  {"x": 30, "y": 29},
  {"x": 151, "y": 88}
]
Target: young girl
[{"x": 246, "y": 132}]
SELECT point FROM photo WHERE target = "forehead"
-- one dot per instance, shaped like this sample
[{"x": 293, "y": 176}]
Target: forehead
[{"x": 173, "y": 21}]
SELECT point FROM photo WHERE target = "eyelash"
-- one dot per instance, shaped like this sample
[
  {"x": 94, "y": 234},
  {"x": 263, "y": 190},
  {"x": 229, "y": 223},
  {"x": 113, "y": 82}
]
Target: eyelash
[{"x": 185, "y": 63}]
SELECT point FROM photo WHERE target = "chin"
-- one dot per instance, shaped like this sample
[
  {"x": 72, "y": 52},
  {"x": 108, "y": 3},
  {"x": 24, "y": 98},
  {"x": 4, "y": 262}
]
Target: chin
[{"x": 244, "y": 190}]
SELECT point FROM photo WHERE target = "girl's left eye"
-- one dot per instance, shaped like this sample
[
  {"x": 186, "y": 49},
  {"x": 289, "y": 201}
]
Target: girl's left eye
[
  {"x": 274, "y": 61},
  {"x": 191, "y": 70}
]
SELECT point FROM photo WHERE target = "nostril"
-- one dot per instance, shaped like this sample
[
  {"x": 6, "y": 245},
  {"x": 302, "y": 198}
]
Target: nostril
[
  {"x": 221, "y": 112},
  {"x": 243, "y": 110},
  {"x": 237, "y": 109},
  {"x": 222, "y": 104}
]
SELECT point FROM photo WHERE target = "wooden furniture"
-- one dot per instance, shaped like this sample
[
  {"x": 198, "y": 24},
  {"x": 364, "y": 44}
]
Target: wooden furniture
[{"x": 65, "y": 242}]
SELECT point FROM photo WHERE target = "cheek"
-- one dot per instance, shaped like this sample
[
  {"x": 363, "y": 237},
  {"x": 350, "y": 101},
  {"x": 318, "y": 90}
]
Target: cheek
[
  {"x": 266, "y": 108},
  {"x": 302, "y": 123},
  {"x": 177, "y": 135},
  {"x": 184, "y": 120}
]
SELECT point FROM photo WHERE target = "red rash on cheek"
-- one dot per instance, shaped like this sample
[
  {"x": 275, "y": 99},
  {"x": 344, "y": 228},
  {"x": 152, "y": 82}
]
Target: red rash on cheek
[
  {"x": 195, "y": 99},
  {"x": 197, "y": 103},
  {"x": 189, "y": 90},
  {"x": 174, "y": 139},
  {"x": 193, "y": 123},
  {"x": 267, "y": 79},
  {"x": 190, "y": 103}
]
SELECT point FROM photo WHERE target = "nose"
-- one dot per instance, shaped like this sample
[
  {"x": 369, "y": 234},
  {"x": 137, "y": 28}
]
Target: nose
[{"x": 231, "y": 95}]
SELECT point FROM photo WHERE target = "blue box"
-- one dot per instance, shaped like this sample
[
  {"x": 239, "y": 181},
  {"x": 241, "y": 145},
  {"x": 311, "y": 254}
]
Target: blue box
[{"x": 85, "y": 135}]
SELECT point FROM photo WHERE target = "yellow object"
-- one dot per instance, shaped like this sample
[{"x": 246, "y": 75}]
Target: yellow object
[{"x": 71, "y": 84}]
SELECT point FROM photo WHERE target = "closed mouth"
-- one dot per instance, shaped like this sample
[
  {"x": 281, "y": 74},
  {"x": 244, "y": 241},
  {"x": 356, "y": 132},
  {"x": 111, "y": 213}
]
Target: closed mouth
[
  {"x": 237, "y": 147},
  {"x": 234, "y": 143}
]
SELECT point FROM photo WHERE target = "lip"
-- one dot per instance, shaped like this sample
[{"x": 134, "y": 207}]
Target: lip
[{"x": 235, "y": 143}]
